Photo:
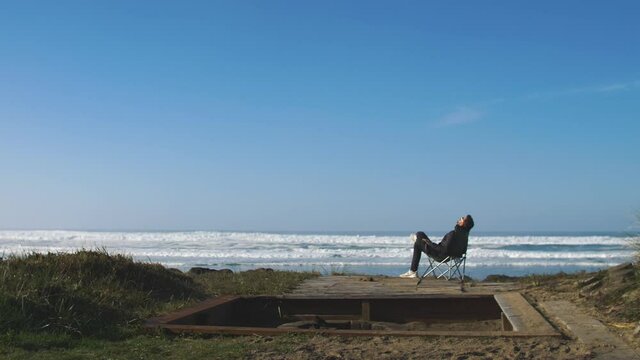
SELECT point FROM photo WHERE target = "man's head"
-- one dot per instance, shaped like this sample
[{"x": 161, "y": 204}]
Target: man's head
[{"x": 466, "y": 222}]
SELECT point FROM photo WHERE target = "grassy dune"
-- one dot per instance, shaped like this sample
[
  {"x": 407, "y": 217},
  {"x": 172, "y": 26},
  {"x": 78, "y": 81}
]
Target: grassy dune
[
  {"x": 79, "y": 303},
  {"x": 86, "y": 293}
]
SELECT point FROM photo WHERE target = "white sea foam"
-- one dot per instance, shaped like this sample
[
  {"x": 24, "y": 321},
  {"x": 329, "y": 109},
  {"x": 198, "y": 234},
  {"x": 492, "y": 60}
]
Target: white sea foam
[
  {"x": 186, "y": 249},
  {"x": 214, "y": 238}
]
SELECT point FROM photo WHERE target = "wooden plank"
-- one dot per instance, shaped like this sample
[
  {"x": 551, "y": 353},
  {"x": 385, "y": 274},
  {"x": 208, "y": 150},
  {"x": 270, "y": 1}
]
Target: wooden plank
[
  {"x": 522, "y": 316},
  {"x": 506, "y": 324},
  {"x": 311, "y": 317},
  {"x": 366, "y": 310},
  {"x": 279, "y": 331},
  {"x": 380, "y": 285},
  {"x": 201, "y": 306},
  {"x": 589, "y": 331}
]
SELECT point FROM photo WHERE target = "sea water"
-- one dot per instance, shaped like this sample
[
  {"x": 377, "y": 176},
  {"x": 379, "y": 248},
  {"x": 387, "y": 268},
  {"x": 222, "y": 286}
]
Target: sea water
[{"x": 362, "y": 253}]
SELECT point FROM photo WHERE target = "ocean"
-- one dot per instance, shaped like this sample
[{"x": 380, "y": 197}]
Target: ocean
[{"x": 386, "y": 253}]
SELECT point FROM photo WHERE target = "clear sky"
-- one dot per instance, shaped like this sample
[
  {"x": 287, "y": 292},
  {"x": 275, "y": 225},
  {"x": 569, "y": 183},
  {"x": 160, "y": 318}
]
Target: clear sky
[{"x": 319, "y": 115}]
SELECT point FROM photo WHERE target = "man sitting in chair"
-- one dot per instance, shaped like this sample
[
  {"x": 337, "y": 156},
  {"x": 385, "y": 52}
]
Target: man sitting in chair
[{"x": 453, "y": 244}]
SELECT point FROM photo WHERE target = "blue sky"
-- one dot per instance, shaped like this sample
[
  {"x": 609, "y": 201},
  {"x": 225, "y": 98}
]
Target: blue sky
[{"x": 319, "y": 116}]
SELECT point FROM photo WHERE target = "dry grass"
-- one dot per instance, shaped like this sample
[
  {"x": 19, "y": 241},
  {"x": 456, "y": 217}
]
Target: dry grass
[
  {"x": 97, "y": 294},
  {"x": 85, "y": 293}
]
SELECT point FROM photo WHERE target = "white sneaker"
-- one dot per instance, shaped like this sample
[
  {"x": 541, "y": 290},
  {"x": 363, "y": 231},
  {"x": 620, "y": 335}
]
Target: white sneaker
[{"x": 409, "y": 275}]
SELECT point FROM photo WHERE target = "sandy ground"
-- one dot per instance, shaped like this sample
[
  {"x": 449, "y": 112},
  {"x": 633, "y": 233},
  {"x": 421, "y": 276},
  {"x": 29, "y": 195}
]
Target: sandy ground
[{"x": 324, "y": 347}]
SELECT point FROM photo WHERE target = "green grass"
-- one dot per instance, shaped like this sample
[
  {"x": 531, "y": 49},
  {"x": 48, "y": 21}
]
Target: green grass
[
  {"x": 85, "y": 293},
  {"x": 145, "y": 347},
  {"x": 92, "y": 304},
  {"x": 252, "y": 282},
  {"x": 548, "y": 279}
]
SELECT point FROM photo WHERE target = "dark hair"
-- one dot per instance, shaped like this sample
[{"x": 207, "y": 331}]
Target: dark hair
[{"x": 468, "y": 222}]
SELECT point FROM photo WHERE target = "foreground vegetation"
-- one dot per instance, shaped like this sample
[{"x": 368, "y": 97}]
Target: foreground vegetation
[{"x": 91, "y": 303}]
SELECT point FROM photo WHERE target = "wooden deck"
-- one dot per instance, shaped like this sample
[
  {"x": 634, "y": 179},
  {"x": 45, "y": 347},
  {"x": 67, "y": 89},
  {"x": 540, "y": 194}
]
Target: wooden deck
[
  {"x": 366, "y": 298},
  {"x": 519, "y": 317},
  {"x": 383, "y": 286}
]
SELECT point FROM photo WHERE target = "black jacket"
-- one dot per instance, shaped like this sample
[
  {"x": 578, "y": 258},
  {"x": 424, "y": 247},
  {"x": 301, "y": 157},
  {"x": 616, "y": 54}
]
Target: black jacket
[{"x": 454, "y": 243}]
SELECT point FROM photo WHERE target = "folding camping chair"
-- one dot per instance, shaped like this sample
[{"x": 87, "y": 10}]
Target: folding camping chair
[{"x": 448, "y": 268}]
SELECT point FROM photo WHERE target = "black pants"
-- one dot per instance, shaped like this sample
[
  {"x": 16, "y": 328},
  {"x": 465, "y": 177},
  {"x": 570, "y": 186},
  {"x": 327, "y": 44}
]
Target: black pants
[{"x": 422, "y": 244}]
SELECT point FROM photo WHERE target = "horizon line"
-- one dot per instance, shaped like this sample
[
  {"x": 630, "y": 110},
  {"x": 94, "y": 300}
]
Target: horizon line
[{"x": 321, "y": 232}]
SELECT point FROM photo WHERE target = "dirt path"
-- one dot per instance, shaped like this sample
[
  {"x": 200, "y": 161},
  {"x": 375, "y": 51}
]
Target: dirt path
[{"x": 323, "y": 347}]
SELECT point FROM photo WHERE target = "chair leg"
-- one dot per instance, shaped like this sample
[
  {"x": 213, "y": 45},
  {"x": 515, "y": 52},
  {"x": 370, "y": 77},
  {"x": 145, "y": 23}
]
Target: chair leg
[
  {"x": 433, "y": 270},
  {"x": 429, "y": 270},
  {"x": 464, "y": 263},
  {"x": 452, "y": 270}
]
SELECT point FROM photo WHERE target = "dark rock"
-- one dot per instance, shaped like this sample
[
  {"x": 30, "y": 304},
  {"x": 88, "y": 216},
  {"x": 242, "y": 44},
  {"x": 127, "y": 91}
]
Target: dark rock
[
  {"x": 500, "y": 278},
  {"x": 202, "y": 270},
  {"x": 261, "y": 270}
]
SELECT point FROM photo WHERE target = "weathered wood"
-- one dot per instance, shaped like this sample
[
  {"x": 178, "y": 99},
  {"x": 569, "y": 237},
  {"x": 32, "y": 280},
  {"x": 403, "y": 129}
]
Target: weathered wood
[
  {"x": 279, "y": 331},
  {"x": 366, "y": 310},
  {"x": 199, "y": 307},
  {"x": 522, "y": 316},
  {"x": 506, "y": 324},
  {"x": 382, "y": 285},
  {"x": 364, "y": 301}
]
